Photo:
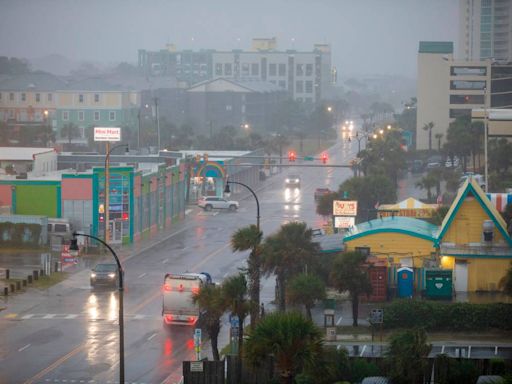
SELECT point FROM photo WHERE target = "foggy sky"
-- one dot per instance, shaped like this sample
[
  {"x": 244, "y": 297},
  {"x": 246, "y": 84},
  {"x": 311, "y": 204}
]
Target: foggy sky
[{"x": 367, "y": 36}]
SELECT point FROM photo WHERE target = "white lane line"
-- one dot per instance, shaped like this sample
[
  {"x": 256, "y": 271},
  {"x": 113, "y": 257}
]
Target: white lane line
[
  {"x": 71, "y": 316},
  {"x": 139, "y": 317},
  {"x": 27, "y": 317},
  {"x": 339, "y": 320},
  {"x": 49, "y": 316},
  {"x": 362, "y": 351},
  {"x": 150, "y": 337},
  {"x": 23, "y": 348},
  {"x": 142, "y": 275},
  {"x": 165, "y": 261}
]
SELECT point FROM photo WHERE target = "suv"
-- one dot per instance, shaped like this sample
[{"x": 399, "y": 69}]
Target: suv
[
  {"x": 104, "y": 274},
  {"x": 213, "y": 202},
  {"x": 292, "y": 181}
]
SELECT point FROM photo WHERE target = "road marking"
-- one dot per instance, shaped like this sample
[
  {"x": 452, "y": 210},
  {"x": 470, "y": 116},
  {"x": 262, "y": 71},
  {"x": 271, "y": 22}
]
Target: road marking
[
  {"x": 142, "y": 275},
  {"x": 165, "y": 261},
  {"x": 151, "y": 337},
  {"x": 362, "y": 351},
  {"x": 49, "y": 316},
  {"x": 26, "y": 317},
  {"x": 23, "y": 348},
  {"x": 10, "y": 316},
  {"x": 339, "y": 320}
]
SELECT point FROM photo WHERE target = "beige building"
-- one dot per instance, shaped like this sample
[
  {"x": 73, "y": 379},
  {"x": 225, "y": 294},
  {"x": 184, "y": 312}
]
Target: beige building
[{"x": 447, "y": 89}]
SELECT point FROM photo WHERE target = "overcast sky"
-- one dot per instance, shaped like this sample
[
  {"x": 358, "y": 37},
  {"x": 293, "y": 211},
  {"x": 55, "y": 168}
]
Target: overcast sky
[{"x": 367, "y": 36}]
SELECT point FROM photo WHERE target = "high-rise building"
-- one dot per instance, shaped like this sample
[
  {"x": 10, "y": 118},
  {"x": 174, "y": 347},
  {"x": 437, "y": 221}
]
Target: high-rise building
[{"x": 485, "y": 30}]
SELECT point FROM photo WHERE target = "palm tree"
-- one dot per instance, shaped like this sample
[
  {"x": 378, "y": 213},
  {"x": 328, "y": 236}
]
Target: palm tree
[
  {"x": 347, "y": 274},
  {"x": 407, "y": 356},
  {"x": 438, "y": 136},
  {"x": 286, "y": 253},
  {"x": 428, "y": 127},
  {"x": 249, "y": 238},
  {"x": 305, "y": 289},
  {"x": 211, "y": 301},
  {"x": 234, "y": 290},
  {"x": 427, "y": 182},
  {"x": 294, "y": 341},
  {"x": 69, "y": 131}
]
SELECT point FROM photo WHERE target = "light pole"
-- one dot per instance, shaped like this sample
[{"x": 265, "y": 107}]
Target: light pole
[
  {"x": 486, "y": 169},
  {"x": 227, "y": 190},
  {"x": 107, "y": 186},
  {"x": 74, "y": 247},
  {"x": 155, "y": 99}
]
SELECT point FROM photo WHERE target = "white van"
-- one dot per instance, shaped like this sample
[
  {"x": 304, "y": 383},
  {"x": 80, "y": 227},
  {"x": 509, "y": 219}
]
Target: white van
[{"x": 60, "y": 228}]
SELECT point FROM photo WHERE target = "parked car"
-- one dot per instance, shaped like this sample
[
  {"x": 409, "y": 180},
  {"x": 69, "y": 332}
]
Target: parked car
[
  {"x": 417, "y": 166},
  {"x": 104, "y": 274},
  {"x": 292, "y": 181},
  {"x": 315, "y": 232},
  {"x": 319, "y": 192},
  {"x": 452, "y": 163},
  {"x": 213, "y": 202}
]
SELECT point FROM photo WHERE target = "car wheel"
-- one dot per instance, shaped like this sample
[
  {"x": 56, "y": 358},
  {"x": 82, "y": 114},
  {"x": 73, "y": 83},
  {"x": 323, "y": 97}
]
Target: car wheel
[
  {"x": 232, "y": 207},
  {"x": 208, "y": 207}
]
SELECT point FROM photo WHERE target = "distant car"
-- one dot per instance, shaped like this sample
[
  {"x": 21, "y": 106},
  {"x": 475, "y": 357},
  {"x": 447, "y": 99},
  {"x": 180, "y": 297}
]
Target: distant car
[
  {"x": 104, "y": 274},
  {"x": 452, "y": 163},
  {"x": 317, "y": 232},
  {"x": 319, "y": 192},
  {"x": 292, "y": 181},
  {"x": 213, "y": 202},
  {"x": 417, "y": 166},
  {"x": 434, "y": 165}
]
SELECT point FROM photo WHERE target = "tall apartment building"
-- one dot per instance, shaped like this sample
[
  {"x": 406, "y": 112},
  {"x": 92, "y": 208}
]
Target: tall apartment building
[
  {"x": 485, "y": 30},
  {"x": 304, "y": 75}
]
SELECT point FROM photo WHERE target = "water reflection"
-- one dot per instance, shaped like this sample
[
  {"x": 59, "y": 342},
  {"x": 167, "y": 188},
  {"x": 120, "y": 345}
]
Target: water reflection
[{"x": 102, "y": 329}]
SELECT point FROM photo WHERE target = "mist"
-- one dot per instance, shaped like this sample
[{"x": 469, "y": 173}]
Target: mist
[{"x": 366, "y": 36}]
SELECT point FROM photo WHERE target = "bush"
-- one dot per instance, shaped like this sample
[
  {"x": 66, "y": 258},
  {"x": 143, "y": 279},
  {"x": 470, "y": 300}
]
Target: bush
[
  {"x": 16, "y": 234},
  {"x": 437, "y": 316}
]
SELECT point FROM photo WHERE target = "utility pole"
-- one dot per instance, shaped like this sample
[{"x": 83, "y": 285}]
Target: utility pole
[
  {"x": 138, "y": 132},
  {"x": 155, "y": 99}
]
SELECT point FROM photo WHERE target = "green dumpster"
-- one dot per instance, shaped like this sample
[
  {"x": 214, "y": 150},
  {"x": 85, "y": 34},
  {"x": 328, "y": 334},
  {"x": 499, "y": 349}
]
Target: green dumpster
[{"x": 438, "y": 284}]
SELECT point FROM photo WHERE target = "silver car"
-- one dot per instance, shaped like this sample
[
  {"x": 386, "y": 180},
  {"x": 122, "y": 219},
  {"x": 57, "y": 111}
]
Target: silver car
[{"x": 213, "y": 202}]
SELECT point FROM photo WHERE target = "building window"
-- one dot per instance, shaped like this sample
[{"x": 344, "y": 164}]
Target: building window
[
  {"x": 272, "y": 69},
  {"x": 454, "y": 113},
  {"x": 309, "y": 69},
  {"x": 96, "y": 98},
  {"x": 299, "y": 86},
  {"x": 11, "y": 96},
  {"x": 23, "y": 97},
  {"x": 245, "y": 69},
  {"x": 112, "y": 115},
  {"x": 80, "y": 115},
  {"x": 255, "y": 69},
  {"x": 49, "y": 97},
  {"x": 96, "y": 115},
  {"x": 38, "y": 97},
  {"x": 466, "y": 84},
  {"x": 468, "y": 71},
  {"x": 228, "y": 69},
  {"x": 65, "y": 115},
  {"x": 218, "y": 69},
  {"x": 466, "y": 99},
  {"x": 80, "y": 98},
  {"x": 282, "y": 69},
  {"x": 309, "y": 86},
  {"x": 282, "y": 83},
  {"x": 300, "y": 70}
]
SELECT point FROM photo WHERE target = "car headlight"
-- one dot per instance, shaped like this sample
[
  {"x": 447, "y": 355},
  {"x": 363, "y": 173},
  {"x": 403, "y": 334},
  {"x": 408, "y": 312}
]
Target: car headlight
[
  {"x": 287, "y": 180},
  {"x": 111, "y": 275},
  {"x": 93, "y": 275}
]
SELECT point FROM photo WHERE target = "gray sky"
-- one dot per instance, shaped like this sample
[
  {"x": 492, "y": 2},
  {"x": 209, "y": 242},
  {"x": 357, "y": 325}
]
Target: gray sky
[{"x": 367, "y": 36}]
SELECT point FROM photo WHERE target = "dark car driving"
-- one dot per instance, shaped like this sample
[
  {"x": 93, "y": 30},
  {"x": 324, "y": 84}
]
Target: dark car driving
[{"x": 105, "y": 275}]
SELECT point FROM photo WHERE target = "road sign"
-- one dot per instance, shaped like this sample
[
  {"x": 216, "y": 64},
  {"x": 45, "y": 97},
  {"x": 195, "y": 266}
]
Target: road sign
[
  {"x": 309, "y": 158},
  {"x": 377, "y": 316},
  {"x": 107, "y": 134},
  {"x": 235, "y": 321},
  {"x": 196, "y": 366}
]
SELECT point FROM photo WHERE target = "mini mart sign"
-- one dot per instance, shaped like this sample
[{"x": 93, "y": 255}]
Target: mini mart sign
[
  {"x": 107, "y": 134},
  {"x": 344, "y": 208}
]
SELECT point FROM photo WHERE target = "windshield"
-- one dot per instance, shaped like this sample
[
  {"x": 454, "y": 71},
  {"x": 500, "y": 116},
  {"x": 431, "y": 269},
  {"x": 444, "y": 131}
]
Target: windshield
[{"x": 105, "y": 268}]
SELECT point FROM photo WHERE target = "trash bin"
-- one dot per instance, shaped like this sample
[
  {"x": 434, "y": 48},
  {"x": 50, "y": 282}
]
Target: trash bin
[{"x": 439, "y": 284}]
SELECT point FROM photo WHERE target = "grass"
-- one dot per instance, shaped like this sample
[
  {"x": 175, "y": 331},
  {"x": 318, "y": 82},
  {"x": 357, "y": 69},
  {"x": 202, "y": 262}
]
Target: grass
[{"x": 44, "y": 282}]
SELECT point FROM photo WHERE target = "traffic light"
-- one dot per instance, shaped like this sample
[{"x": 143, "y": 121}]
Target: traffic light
[
  {"x": 292, "y": 156},
  {"x": 324, "y": 158}
]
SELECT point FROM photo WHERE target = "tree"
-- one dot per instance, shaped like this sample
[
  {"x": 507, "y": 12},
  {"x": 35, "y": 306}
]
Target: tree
[
  {"x": 438, "y": 137},
  {"x": 348, "y": 274},
  {"x": 407, "y": 356},
  {"x": 428, "y": 127},
  {"x": 499, "y": 155},
  {"x": 427, "y": 182},
  {"x": 324, "y": 205},
  {"x": 210, "y": 299},
  {"x": 305, "y": 289},
  {"x": 287, "y": 253},
  {"x": 294, "y": 341},
  {"x": 244, "y": 239},
  {"x": 458, "y": 140},
  {"x": 70, "y": 131}
]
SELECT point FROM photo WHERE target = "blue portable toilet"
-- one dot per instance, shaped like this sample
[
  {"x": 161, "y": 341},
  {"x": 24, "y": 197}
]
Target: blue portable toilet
[{"x": 405, "y": 281}]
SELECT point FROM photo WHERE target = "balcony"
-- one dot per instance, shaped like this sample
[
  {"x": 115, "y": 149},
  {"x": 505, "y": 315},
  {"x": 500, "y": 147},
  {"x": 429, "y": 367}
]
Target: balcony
[{"x": 475, "y": 249}]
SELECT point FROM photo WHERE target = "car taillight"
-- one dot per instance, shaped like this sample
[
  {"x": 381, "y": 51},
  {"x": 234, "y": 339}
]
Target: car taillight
[
  {"x": 191, "y": 319},
  {"x": 167, "y": 288},
  {"x": 181, "y": 288},
  {"x": 168, "y": 318},
  {"x": 195, "y": 290}
]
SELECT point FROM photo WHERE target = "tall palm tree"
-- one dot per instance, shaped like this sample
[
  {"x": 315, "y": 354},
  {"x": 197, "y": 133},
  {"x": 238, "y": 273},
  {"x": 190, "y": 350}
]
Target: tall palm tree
[
  {"x": 211, "y": 301},
  {"x": 427, "y": 182},
  {"x": 249, "y": 238},
  {"x": 347, "y": 274},
  {"x": 428, "y": 127},
  {"x": 287, "y": 253},
  {"x": 305, "y": 289},
  {"x": 438, "y": 136},
  {"x": 294, "y": 341}
]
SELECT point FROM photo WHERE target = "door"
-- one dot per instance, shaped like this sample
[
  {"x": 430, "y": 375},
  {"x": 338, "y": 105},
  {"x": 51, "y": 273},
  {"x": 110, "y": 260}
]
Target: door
[
  {"x": 461, "y": 276},
  {"x": 116, "y": 231}
]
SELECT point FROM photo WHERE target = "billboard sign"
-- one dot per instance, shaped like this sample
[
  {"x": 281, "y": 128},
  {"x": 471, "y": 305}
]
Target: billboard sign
[
  {"x": 344, "y": 222},
  {"x": 344, "y": 208},
  {"x": 107, "y": 134}
]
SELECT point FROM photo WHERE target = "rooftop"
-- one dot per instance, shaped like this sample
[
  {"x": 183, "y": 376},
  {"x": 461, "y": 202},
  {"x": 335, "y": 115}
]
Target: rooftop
[{"x": 21, "y": 153}]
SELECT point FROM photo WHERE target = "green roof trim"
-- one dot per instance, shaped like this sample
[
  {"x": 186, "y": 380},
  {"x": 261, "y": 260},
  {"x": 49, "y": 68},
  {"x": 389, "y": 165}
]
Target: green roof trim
[{"x": 436, "y": 47}]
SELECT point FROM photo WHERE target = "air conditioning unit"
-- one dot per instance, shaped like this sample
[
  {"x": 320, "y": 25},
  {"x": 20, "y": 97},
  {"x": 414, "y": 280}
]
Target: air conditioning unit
[{"x": 488, "y": 232}]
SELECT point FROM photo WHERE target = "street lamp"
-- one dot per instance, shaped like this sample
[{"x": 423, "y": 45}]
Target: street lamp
[
  {"x": 74, "y": 247},
  {"x": 107, "y": 185},
  {"x": 227, "y": 190}
]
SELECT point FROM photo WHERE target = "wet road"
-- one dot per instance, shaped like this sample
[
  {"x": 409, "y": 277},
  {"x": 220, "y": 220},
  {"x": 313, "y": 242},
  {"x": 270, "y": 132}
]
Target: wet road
[{"x": 69, "y": 334}]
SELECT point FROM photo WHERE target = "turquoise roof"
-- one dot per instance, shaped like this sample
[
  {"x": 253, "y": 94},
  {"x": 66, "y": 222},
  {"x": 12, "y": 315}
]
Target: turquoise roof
[
  {"x": 394, "y": 224},
  {"x": 436, "y": 47}
]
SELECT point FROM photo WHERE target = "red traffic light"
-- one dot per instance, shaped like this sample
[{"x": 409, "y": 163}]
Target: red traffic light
[
  {"x": 292, "y": 156},
  {"x": 324, "y": 158}
]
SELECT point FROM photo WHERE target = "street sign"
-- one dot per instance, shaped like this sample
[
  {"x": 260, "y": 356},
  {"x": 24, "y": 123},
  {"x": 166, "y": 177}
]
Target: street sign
[
  {"x": 376, "y": 316},
  {"x": 107, "y": 134},
  {"x": 197, "y": 337},
  {"x": 196, "y": 366},
  {"x": 235, "y": 321},
  {"x": 309, "y": 158}
]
